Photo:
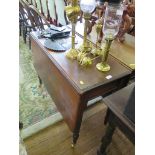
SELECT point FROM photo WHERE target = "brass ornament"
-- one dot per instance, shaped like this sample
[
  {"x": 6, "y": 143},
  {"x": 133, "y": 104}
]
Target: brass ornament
[
  {"x": 83, "y": 59},
  {"x": 103, "y": 66},
  {"x": 72, "y": 13},
  {"x": 98, "y": 50}
]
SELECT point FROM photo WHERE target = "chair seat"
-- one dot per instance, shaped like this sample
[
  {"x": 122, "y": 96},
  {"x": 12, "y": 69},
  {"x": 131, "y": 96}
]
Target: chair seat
[
  {"x": 116, "y": 116},
  {"x": 117, "y": 101}
]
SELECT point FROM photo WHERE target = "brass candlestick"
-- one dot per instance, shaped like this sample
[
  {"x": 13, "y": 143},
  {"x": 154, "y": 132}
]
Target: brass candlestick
[
  {"x": 82, "y": 57},
  {"x": 98, "y": 50},
  {"x": 103, "y": 66},
  {"x": 72, "y": 14},
  {"x": 86, "y": 47}
]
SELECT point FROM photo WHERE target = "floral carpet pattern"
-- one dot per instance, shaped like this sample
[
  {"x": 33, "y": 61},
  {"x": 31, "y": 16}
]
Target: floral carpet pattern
[{"x": 34, "y": 103}]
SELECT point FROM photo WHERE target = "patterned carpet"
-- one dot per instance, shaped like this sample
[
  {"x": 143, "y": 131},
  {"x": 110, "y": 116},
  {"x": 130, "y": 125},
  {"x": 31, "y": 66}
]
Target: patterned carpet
[{"x": 35, "y": 105}]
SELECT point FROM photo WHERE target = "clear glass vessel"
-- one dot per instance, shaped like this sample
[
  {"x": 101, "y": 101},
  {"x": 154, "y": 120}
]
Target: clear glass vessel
[
  {"x": 112, "y": 21},
  {"x": 87, "y": 6}
]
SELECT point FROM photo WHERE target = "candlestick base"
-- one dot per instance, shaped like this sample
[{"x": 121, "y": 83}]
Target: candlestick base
[
  {"x": 102, "y": 66},
  {"x": 84, "y": 60},
  {"x": 72, "y": 54},
  {"x": 96, "y": 52},
  {"x": 86, "y": 48}
]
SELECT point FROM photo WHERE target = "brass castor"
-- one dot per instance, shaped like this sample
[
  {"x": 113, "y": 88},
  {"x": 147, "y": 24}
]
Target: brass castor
[{"x": 72, "y": 145}]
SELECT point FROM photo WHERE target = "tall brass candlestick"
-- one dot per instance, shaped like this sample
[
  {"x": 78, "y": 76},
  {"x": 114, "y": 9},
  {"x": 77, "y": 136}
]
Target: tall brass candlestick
[
  {"x": 85, "y": 46},
  {"x": 98, "y": 50},
  {"x": 73, "y": 13},
  {"x": 103, "y": 66}
]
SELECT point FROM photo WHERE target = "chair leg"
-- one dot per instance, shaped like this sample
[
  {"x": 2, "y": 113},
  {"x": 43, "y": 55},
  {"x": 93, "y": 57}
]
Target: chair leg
[
  {"x": 106, "y": 140},
  {"x": 107, "y": 116},
  {"x": 20, "y": 125},
  {"x": 20, "y": 29},
  {"x": 29, "y": 43},
  {"x": 24, "y": 34}
]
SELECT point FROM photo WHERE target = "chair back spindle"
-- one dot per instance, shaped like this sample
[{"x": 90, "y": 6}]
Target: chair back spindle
[
  {"x": 41, "y": 8},
  {"x": 35, "y": 3},
  {"x": 48, "y": 13},
  {"x": 56, "y": 15}
]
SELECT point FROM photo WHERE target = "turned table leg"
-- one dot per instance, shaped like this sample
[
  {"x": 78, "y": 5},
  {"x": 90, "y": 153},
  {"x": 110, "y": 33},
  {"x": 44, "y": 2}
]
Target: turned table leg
[
  {"x": 79, "y": 121},
  {"x": 106, "y": 140},
  {"x": 76, "y": 133},
  {"x": 107, "y": 116},
  {"x": 75, "y": 138}
]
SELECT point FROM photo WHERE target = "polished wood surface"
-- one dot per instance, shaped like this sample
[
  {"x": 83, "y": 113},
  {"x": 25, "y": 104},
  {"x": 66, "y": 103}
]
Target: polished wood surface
[
  {"x": 62, "y": 79},
  {"x": 116, "y": 117},
  {"x": 76, "y": 73},
  {"x": 55, "y": 140},
  {"x": 124, "y": 52}
]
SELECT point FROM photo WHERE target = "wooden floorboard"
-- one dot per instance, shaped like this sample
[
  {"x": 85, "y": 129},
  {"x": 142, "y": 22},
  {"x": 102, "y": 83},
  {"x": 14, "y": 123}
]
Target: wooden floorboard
[{"x": 56, "y": 139}]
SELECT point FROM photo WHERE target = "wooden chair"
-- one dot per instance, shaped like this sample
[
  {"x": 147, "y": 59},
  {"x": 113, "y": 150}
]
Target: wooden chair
[
  {"x": 25, "y": 19},
  {"x": 36, "y": 21},
  {"x": 43, "y": 10},
  {"x": 120, "y": 114},
  {"x": 39, "y": 20},
  {"x": 35, "y": 16}
]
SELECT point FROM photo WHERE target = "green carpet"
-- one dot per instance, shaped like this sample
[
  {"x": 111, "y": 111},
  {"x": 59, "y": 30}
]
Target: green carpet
[{"x": 35, "y": 105}]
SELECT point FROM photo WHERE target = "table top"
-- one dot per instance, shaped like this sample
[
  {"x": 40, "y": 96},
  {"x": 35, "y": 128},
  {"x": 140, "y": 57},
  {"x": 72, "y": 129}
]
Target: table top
[
  {"x": 117, "y": 103},
  {"x": 124, "y": 52},
  {"x": 83, "y": 78}
]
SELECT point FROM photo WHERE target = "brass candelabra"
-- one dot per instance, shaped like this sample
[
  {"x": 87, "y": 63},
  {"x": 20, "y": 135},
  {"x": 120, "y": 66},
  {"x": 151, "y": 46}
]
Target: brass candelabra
[
  {"x": 110, "y": 30},
  {"x": 72, "y": 13}
]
